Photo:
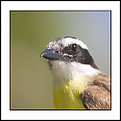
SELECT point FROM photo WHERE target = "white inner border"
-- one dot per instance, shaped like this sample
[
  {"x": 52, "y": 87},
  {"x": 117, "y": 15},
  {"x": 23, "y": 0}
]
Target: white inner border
[{"x": 6, "y": 6}]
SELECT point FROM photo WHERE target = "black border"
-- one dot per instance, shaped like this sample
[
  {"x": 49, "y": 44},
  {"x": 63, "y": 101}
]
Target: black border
[{"x": 109, "y": 52}]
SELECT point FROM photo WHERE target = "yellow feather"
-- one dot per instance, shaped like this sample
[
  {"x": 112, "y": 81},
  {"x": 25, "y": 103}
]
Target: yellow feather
[{"x": 67, "y": 95}]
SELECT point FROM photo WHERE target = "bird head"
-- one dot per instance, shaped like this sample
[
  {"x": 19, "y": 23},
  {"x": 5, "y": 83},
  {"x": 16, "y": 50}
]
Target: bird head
[
  {"x": 69, "y": 49},
  {"x": 68, "y": 58}
]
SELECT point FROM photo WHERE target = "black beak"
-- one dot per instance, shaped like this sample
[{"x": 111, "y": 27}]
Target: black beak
[{"x": 51, "y": 54}]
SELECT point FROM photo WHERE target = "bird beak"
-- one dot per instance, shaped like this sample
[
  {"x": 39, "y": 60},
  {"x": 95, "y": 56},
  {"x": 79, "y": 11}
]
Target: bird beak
[{"x": 51, "y": 54}]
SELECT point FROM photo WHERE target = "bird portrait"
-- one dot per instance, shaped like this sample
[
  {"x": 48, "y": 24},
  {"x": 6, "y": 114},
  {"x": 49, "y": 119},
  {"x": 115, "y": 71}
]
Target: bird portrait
[{"x": 78, "y": 83}]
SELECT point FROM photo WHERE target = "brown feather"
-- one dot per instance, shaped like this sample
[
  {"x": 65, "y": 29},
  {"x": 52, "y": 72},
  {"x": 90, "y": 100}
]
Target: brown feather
[{"x": 97, "y": 95}]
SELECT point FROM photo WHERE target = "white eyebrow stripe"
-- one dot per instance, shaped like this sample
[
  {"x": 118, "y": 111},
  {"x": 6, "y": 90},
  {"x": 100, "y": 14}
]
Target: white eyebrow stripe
[{"x": 68, "y": 41}]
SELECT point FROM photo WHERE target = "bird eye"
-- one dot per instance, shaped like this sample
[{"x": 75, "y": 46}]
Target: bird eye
[
  {"x": 71, "y": 49},
  {"x": 74, "y": 46}
]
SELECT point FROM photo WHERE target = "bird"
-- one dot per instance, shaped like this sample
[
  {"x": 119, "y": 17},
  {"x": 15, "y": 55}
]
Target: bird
[{"x": 77, "y": 81}]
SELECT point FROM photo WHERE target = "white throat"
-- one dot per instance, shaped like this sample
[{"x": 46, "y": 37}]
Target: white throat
[{"x": 63, "y": 70}]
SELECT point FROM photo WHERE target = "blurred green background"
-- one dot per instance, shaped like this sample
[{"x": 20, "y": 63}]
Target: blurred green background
[{"x": 31, "y": 31}]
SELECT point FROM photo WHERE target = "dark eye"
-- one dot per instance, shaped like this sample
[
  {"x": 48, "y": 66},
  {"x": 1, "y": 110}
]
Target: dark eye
[
  {"x": 74, "y": 46},
  {"x": 71, "y": 49}
]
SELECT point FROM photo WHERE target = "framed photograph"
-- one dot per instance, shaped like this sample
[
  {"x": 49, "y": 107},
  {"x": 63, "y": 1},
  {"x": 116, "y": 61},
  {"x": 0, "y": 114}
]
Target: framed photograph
[{"x": 58, "y": 62}]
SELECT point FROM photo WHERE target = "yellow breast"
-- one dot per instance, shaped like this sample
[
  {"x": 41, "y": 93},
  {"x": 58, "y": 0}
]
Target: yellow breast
[{"x": 68, "y": 95}]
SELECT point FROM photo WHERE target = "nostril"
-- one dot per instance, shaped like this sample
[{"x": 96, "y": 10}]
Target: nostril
[{"x": 56, "y": 51}]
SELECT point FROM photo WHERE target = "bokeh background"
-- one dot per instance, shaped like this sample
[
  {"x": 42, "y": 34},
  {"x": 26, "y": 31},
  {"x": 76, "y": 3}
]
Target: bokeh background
[{"x": 31, "y": 31}]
